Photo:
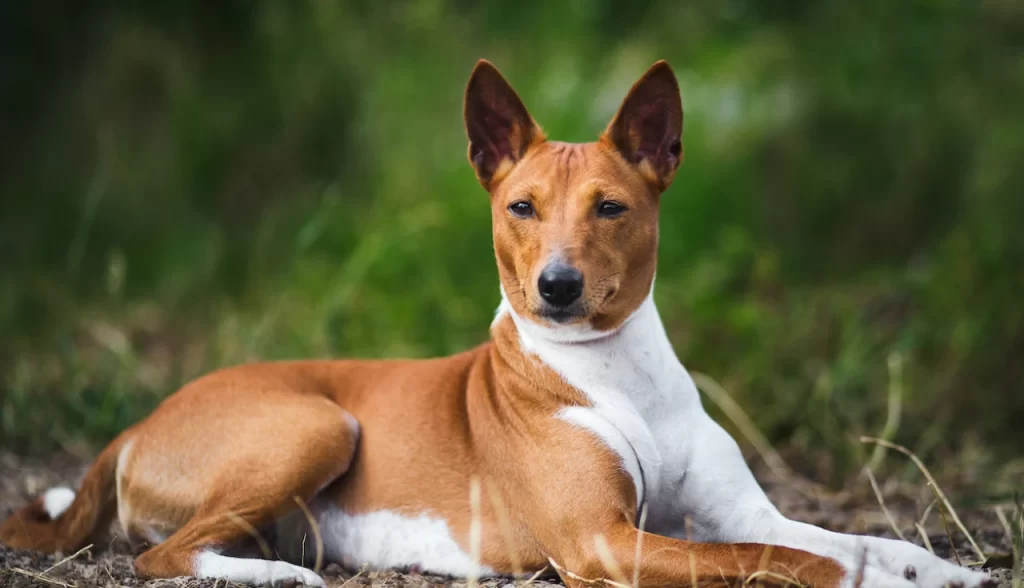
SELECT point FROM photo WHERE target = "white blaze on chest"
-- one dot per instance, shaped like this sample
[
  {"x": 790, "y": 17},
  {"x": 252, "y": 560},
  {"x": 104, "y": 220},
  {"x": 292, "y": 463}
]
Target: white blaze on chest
[{"x": 633, "y": 380}]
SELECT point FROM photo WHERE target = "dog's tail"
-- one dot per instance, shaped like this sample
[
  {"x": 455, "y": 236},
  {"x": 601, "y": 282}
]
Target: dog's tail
[{"x": 61, "y": 520}]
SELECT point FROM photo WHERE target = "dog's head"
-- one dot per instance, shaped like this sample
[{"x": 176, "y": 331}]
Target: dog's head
[{"x": 575, "y": 225}]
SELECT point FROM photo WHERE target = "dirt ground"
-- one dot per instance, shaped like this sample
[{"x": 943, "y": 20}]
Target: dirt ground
[{"x": 110, "y": 565}]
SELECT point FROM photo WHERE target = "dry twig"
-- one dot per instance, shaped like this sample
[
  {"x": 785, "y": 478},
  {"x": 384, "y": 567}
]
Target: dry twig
[{"x": 943, "y": 501}]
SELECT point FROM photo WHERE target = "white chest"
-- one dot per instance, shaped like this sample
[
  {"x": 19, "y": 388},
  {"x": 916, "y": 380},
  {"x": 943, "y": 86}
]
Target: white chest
[
  {"x": 654, "y": 448},
  {"x": 641, "y": 400}
]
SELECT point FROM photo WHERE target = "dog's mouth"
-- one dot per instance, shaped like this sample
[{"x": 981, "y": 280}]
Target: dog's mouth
[{"x": 562, "y": 315}]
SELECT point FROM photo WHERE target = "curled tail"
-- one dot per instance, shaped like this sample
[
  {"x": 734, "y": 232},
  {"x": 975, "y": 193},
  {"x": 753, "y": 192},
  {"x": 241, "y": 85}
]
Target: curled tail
[{"x": 61, "y": 520}]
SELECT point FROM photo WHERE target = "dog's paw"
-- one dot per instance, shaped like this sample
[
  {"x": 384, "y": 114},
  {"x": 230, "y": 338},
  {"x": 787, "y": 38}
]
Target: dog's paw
[
  {"x": 940, "y": 573},
  {"x": 920, "y": 567},
  {"x": 258, "y": 572},
  {"x": 284, "y": 573},
  {"x": 866, "y": 576}
]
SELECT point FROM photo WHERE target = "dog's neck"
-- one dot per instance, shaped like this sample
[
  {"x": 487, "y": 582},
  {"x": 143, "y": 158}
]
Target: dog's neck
[{"x": 635, "y": 362}]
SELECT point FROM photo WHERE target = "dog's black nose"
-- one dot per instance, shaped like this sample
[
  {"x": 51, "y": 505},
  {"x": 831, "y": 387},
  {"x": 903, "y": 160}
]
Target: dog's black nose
[{"x": 560, "y": 284}]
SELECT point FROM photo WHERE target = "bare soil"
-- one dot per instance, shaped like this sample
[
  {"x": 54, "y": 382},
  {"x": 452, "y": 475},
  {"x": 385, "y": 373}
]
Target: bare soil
[{"x": 110, "y": 565}]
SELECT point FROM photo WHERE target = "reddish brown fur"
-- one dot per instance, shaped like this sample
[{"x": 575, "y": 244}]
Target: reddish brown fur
[
  {"x": 565, "y": 183},
  {"x": 245, "y": 440}
]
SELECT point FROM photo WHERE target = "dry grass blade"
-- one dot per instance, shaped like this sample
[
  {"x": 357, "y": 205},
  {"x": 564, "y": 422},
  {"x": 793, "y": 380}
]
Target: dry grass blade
[
  {"x": 943, "y": 501},
  {"x": 928, "y": 511},
  {"x": 924, "y": 538},
  {"x": 763, "y": 571},
  {"x": 316, "y": 534},
  {"x": 949, "y": 535},
  {"x": 41, "y": 578},
  {"x": 736, "y": 559},
  {"x": 1001, "y": 515},
  {"x": 668, "y": 550},
  {"x": 604, "y": 553},
  {"x": 861, "y": 566},
  {"x": 766, "y": 558},
  {"x": 505, "y": 526},
  {"x": 67, "y": 559},
  {"x": 534, "y": 577},
  {"x": 793, "y": 573},
  {"x": 264, "y": 546},
  {"x": 587, "y": 581},
  {"x": 881, "y": 503},
  {"x": 639, "y": 546},
  {"x": 353, "y": 578},
  {"x": 475, "y": 531},
  {"x": 765, "y": 574},
  {"x": 1016, "y": 543},
  {"x": 895, "y": 409}
]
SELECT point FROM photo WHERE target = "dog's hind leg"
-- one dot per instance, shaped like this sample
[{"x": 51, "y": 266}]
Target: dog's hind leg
[{"x": 253, "y": 484}]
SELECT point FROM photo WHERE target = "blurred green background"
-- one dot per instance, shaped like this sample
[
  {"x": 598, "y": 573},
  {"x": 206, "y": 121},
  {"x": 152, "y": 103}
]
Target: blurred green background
[{"x": 193, "y": 184}]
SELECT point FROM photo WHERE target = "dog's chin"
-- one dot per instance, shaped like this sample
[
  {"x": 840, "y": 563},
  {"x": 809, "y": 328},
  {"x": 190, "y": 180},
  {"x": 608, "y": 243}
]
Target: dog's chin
[{"x": 561, "y": 316}]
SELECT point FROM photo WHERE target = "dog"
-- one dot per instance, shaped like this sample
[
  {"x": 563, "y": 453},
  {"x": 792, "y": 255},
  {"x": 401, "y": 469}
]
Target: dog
[{"x": 547, "y": 445}]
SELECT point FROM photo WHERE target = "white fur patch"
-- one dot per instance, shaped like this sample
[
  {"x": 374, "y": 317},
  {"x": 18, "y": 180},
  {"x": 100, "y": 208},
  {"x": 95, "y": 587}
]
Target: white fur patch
[
  {"x": 253, "y": 571},
  {"x": 382, "y": 540},
  {"x": 57, "y": 500}
]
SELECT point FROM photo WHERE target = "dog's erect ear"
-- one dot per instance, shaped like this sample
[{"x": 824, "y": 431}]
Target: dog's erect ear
[
  {"x": 648, "y": 128},
  {"x": 499, "y": 127}
]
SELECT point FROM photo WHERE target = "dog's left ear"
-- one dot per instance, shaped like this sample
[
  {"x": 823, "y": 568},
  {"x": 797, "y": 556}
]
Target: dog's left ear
[
  {"x": 648, "y": 129},
  {"x": 499, "y": 127}
]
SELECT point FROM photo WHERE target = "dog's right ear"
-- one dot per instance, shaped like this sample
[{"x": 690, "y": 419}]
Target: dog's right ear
[{"x": 500, "y": 129}]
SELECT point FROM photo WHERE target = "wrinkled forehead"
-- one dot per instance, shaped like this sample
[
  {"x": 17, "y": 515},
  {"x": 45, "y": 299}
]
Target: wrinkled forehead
[{"x": 553, "y": 171}]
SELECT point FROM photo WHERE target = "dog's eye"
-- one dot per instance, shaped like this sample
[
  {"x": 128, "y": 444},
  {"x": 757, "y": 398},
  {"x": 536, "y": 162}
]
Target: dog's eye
[
  {"x": 610, "y": 209},
  {"x": 521, "y": 209}
]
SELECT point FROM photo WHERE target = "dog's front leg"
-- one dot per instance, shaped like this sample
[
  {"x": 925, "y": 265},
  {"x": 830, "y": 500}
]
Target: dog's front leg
[
  {"x": 621, "y": 553},
  {"x": 725, "y": 504},
  {"x": 579, "y": 506}
]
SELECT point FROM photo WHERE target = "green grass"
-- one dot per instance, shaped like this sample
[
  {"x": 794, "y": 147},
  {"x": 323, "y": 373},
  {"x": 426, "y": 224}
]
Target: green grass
[{"x": 188, "y": 188}]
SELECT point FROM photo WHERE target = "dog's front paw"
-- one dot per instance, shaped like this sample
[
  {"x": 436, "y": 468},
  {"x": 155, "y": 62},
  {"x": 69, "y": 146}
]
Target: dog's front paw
[
  {"x": 939, "y": 573},
  {"x": 868, "y": 576},
  {"x": 921, "y": 567}
]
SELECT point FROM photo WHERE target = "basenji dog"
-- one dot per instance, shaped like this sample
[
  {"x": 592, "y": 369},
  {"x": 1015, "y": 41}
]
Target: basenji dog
[{"x": 574, "y": 438}]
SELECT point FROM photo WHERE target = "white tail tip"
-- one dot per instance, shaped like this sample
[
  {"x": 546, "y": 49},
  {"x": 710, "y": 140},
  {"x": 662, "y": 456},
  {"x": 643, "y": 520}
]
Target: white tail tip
[{"x": 57, "y": 500}]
